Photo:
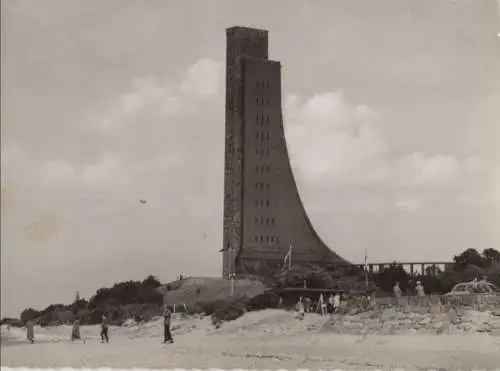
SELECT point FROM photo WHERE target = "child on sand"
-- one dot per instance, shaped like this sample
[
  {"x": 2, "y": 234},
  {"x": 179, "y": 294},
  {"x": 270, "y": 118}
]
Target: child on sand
[
  {"x": 75, "y": 332},
  {"x": 30, "y": 333}
]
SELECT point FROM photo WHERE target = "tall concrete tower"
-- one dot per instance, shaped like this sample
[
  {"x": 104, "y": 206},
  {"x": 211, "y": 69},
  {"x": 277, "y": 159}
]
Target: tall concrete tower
[{"x": 263, "y": 212}]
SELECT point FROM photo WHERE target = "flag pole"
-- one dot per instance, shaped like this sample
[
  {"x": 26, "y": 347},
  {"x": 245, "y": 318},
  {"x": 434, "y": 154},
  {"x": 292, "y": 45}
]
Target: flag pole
[
  {"x": 290, "y": 258},
  {"x": 366, "y": 268}
]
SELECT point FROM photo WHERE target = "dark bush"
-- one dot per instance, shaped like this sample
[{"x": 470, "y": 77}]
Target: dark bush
[
  {"x": 266, "y": 300},
  {"x": 469, "y": 257},
  {"x": 312, "y": 275},
  {"x": 152, "y": 282},
  {"x": 227, "y": 313},
  {"x": 390, "y": 275},
  {"x": 95, "y": 317},
  {"x": 14, "y": 322},
  {"x": 29, "y": 314},
  {"x": 213, "y": 306}
]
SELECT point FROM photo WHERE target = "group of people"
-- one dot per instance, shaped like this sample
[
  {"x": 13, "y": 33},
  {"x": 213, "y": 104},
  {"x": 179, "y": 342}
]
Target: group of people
[
  {"x": 419, "y": 291},
  {"x": 481, "y": 285},
  {"x": 76, "y": 335},
  {"x": 335, "y": 303}
]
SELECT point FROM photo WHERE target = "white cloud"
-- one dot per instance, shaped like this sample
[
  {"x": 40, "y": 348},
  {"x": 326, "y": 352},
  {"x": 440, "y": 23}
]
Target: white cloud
[
  {"x": 58, "y": 173},
  {"x": 146, "y": 94},
  {"x": 417, "y": 169},
  {"x": 107, "y": 172},
  {"x": 334, "y": 142},
  {"x": 202, "y": 79},
  {"x": 331, "y": 140},
  {"x": 151, "y": 95},
  {"x": 408, "y": 205},
  {"x": 140, "y": 136}
]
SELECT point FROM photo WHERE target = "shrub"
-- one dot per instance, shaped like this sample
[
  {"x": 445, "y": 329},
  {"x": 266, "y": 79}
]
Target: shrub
[
  {"x": 227, "y": 313},
  {"x": 312, "y": 275},
  {"x": 390, "y": 275},
  {"x": 268, "y": 299},
  {"x": 29, "y": 314}
]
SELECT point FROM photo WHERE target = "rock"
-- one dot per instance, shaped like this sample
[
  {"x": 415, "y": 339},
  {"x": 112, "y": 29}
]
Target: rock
[
  {"x": 386, "y": 331},
  {"x": 453, "y": 316},
  {"x": 483, "y": 328},
  {"x": 354, "y": 325},
  {"x": 373, "y": 326},
  {"x": 406, "y": 323},
  {"x": 464, "y": 326},
  {"x": 435, "y": 309},
  {"x": 495, "y": 332},
  {"x": 425, "y": 321}
]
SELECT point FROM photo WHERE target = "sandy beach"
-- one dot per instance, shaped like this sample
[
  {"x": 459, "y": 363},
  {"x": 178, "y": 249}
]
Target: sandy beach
[{"x": 267, "y": 339}]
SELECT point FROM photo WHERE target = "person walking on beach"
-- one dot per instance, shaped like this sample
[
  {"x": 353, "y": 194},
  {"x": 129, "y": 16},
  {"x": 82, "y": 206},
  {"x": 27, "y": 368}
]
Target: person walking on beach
[
  {"x": 322, "y": 305},
  {"x": 300, "y": 309},
  {"x": 397, "y": 293},
  {"x": 420, "y": 293},
  {"x": 167, "y": 335},
  {"x": 307, "y": 302},
  {"x": 104, "y": 329},
  {"x": 30, "y": 332},
  {"x": 483, "y": 285},
  {"x": 330, "y": 303},
  {"x": 75, "y": 331},
  {"x": 336, "y": 303},
  {"x": 280, "y": 303}
]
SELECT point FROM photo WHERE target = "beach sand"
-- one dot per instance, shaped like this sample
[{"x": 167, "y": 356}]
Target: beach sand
[{"x": 266, "y": 339}]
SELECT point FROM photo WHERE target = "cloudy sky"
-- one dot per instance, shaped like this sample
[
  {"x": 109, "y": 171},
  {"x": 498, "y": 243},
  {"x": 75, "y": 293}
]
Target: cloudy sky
[{"x": 392, "y": 115}]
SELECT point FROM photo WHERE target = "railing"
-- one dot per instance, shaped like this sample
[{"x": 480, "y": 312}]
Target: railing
[
  {"x": 472, "y": 300},
  {"x": 487, "y": 299}
]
